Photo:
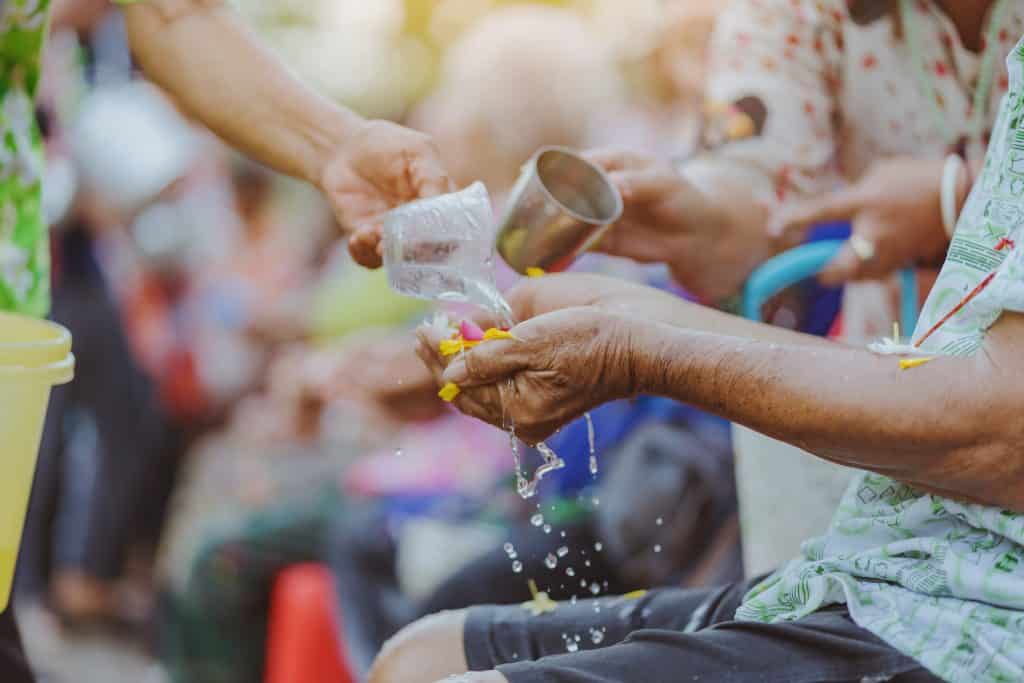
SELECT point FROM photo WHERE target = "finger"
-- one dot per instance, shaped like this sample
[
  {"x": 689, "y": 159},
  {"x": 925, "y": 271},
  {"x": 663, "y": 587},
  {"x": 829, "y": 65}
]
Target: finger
[
  {"x": 432, "y": 362},
  {"x": 470, "y": 405},
  {"x": 796, "y": 218},
  {"x": 366, "y": 248},
  {"x": 846, "y": 266},
  {"x": 646, "y": 185},
  {"x": 612, "y": 159},
  {"x": 429, "y": 177},
  {"x": 488, "y": 364}
]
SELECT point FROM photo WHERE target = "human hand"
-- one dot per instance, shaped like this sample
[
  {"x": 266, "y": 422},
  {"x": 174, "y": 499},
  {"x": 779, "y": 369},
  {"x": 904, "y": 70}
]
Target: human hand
[
  {"x": 558, "y": 366},
  {"x": 896, "y": 215},
  {"x": 667, "y": 219},
  {"x": 381, "y": 165}
]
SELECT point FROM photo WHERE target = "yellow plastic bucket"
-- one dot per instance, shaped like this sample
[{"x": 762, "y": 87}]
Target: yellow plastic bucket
[{"x": 35, "y": 356}]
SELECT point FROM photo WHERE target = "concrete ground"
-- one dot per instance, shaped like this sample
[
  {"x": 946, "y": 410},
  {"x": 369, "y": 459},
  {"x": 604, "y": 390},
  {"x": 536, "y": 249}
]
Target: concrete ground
[{"x": 59, "y": 657}]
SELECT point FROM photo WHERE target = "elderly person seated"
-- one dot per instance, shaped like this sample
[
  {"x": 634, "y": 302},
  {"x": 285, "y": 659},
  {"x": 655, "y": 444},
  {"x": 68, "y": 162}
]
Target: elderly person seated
[{"x": 919, "y": 577}]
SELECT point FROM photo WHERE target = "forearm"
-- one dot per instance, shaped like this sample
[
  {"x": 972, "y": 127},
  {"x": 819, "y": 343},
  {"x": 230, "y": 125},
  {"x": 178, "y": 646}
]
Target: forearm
[
  {"x": 941, "y": 427},
  {"x": 203, "y": 55},
  {"x": 555, "y": 292}
]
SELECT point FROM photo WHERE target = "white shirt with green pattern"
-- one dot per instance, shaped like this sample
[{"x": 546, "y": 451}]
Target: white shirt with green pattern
[{"x": 939, "y": 580}]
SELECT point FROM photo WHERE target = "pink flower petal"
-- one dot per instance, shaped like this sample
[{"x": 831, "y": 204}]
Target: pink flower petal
[{"x": 470, "y": 331}]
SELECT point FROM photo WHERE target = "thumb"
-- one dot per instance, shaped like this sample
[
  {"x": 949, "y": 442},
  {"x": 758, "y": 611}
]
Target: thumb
[
  {"x": 793, "y": 220},
  {"x": 429, "y": 178},
  {"x": 488, "y": 363},
  {"x": 846, "y": 266}
]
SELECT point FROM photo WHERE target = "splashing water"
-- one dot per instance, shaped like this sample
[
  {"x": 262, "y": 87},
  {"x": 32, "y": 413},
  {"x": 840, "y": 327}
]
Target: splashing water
[{"x": 590, "y": 443}]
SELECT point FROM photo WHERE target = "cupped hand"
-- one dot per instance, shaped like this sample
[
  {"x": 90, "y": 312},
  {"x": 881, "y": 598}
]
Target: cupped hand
[
  {"x": 896, "y": 217},
  {"x": 380, "y": 166},
  {"x": 558, "y": 366}
]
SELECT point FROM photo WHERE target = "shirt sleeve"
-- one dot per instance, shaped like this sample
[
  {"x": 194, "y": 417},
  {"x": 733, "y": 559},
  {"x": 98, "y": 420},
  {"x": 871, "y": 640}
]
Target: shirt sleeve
[{"x": 770, "y": 105}]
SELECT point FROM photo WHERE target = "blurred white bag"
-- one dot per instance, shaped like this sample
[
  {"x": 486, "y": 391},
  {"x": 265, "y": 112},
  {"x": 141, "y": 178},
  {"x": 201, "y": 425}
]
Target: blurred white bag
[{"x": 786, "y": 496}]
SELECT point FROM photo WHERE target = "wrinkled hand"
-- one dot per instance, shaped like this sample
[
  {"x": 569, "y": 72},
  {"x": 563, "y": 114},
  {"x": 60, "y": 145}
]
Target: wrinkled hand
[
  {"x": 668, "y": 220},
  {"x": 380, "y": 166},
  {"x": 895, "y": 207},
  {"x": 560, "y": 365}
]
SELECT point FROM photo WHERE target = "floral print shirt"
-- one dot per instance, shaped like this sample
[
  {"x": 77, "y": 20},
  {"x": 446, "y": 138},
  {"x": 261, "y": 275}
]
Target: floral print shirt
[
  {"x": 803, "y": 94},
  {"x": 941, "y": 581}
]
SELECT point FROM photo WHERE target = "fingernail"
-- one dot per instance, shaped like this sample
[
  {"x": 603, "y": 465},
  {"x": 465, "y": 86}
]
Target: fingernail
[{"x": 457, "y": 373}]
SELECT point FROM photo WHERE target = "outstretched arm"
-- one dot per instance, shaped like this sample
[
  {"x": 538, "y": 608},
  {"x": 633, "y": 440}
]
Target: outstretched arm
[
  {"x": 203, "y": 54},
  {"x": 951, "y": 426}
]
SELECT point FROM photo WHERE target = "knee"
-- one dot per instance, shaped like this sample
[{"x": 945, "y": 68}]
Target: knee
[{"x": 426, "y": 651}]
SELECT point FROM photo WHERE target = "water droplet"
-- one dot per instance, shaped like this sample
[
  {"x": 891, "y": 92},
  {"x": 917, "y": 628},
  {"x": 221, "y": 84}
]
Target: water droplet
[
  {"x": 597, "y": 607},
  {"x": 657, "y": 548},
  {"x": 594, "y": 588},
  {"x": 563, "y": 551},
  {"x": 547, "y": 528},
  {"x": 598, "y": 546},
  {"x": 596, "y": 500},
  {"x": 551, "y": 561},
  {"x": 572, "y": 646},
  {"x": 590, "y": 442},
  {"x": 576, "y": 638},
  {"x": 583, "y": 583},
  {"x": 596, "y": 636},
  {"x": 659, "y": 521},
  {"x": 509, "y": 548},
  {"x": 517, "y": 566},
  {"x": 572, "y": 600},
  {"x": 513, "y": 555},
  {"x": 563, "y": 534},
  {"x": 398, "y": 452},
  {"x": 586, "y": 563},
  {"x": 537, "y": 519},
  {"x": 570, "y": 571}
]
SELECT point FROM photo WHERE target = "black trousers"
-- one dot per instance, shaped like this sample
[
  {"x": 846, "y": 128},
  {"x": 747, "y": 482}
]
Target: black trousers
[
  {"x": 13, "y": 664},
  {"x": 136, "y": 442}
]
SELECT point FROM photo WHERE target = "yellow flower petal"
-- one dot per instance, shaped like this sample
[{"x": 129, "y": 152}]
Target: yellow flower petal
[
  {"x": 494, "y": 333},
  {"x": 911, "y": 363},
  {"x": 451, "y": 347},
  {"x": 535, "y": 272},
  {"x": 635, "y": 595},
  {"x": 449, "y": 393}
]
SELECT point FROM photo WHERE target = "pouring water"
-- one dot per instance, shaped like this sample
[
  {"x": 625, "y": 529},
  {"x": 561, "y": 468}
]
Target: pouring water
[{"x": 442, "y": 249}]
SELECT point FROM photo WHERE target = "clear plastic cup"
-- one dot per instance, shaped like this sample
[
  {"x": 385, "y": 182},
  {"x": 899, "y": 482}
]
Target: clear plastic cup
[
  {"x": 442, "y": 249},
  {"x": 35, "y": 356}
]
